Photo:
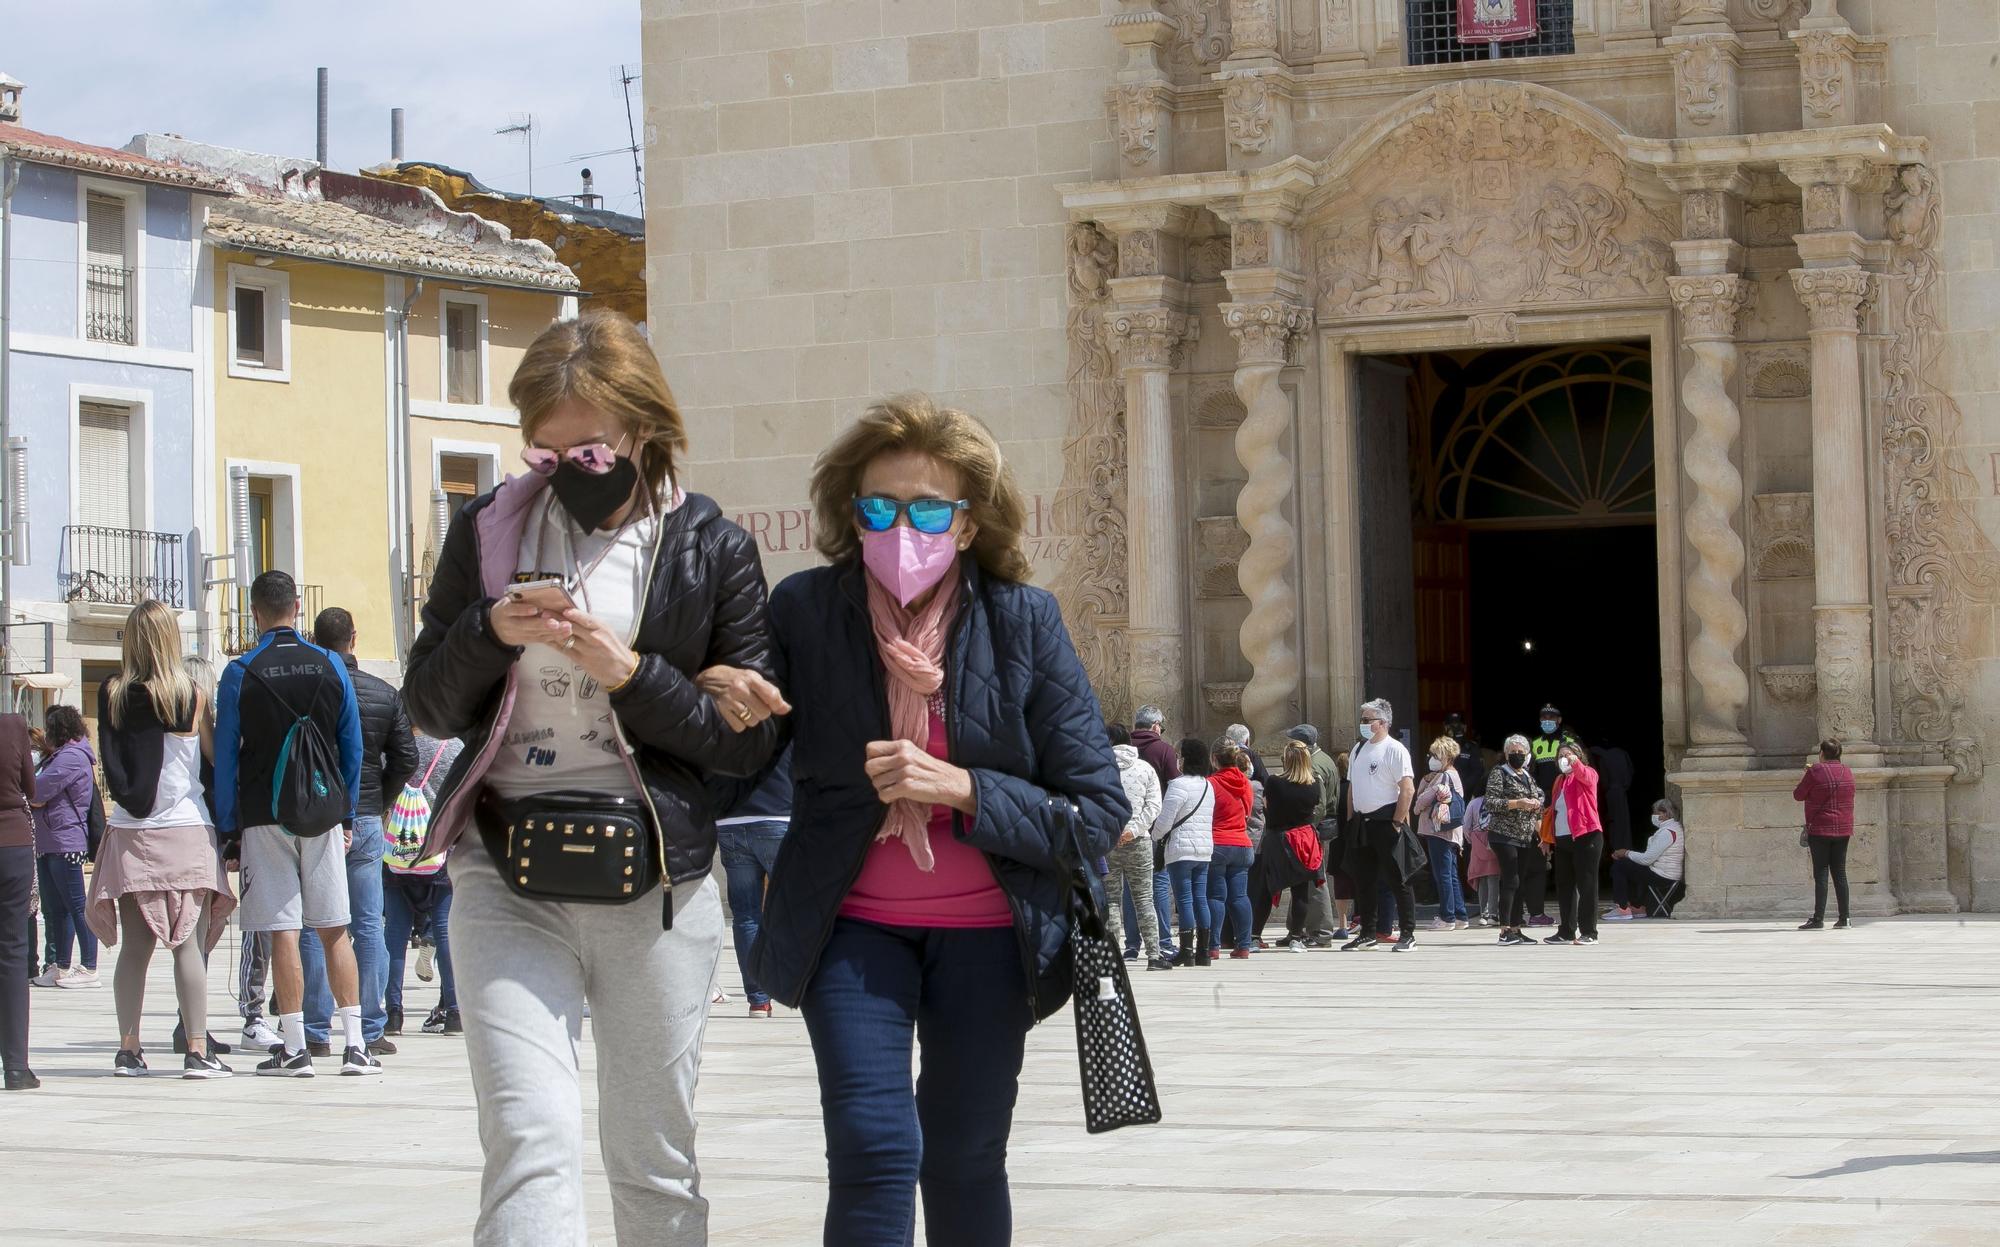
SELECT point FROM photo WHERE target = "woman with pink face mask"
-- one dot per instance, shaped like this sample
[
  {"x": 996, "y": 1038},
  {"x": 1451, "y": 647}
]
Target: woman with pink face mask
[{"x": 948, "y": 756}]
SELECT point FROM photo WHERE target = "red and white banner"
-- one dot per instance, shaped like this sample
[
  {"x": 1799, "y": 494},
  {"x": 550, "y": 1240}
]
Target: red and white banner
[{"x": 1485, "y": 21}]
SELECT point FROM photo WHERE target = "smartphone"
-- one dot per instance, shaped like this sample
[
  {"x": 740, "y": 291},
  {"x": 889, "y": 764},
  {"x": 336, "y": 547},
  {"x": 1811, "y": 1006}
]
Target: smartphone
[{"x": 551, "y": 595}]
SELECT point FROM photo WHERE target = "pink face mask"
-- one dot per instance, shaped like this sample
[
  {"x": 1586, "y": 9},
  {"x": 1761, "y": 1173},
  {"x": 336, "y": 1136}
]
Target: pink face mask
[{"x": 906, "y": 562}]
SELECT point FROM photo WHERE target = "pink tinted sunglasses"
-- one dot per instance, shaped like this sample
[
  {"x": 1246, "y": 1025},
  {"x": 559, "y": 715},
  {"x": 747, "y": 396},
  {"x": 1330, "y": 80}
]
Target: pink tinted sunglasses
[{"x": 595, "y": 458}]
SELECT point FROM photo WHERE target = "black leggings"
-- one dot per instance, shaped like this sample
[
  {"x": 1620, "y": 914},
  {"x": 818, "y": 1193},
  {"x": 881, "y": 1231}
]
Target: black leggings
[
  {"x": 1829, "y": 856},
  {"x": 17, "y": 876},
  {"x": 1576, "y": 883},
  {"x": 1512, "y": 909}
]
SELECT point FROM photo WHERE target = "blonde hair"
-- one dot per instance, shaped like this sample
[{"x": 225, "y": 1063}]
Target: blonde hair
[
  {"x": 202, "y": 673},
  {"x": 914, "y": 422},
  {"x": 1445, "y": 747},
  {"x": 150, "y": 662},
  {"x": 1298, "y": 762},
  {"x": 602, "y": 360}
]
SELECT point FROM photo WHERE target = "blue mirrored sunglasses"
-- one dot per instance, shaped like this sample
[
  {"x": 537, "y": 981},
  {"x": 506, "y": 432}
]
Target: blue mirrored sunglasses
[{"x": 877, "y": 514}]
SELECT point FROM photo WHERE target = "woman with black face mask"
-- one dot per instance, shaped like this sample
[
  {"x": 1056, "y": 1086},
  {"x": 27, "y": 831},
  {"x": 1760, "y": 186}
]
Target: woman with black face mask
[
  {"x": 1513, "y": 813},
  {"x": 571, "y": 612}
]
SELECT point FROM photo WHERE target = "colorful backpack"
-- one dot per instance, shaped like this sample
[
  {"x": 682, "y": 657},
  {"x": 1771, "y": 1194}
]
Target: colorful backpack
[{"x": 408, "y": 822}]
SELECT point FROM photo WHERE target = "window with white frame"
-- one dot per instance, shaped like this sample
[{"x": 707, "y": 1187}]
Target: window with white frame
[
  {"x": 462, "y": 341},
  {"x": 104, "y": 465},
  {"x": 110, "y": 273},
  {"x": 260, "y": 323}
]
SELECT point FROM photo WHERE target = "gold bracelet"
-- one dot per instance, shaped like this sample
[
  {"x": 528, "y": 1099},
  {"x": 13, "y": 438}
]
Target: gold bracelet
[{"x": 619, "y": 687}]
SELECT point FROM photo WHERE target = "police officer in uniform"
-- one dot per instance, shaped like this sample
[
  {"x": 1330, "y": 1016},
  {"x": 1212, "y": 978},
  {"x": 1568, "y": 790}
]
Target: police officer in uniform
[{"x": 1542, "y": 749}]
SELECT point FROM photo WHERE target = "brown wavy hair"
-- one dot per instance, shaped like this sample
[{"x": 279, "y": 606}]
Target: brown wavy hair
[
  {"x": 914, "y": 422},
  {"x": 602, "y": 359}
]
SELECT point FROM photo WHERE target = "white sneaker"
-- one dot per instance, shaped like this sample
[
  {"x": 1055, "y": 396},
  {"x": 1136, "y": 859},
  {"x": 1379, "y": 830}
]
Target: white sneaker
[
  {"x": 260, "y": 1036},
  {"x": 1617, "y": 916},
  {"x": 1438, "y": 924},
  {"x": 80, "y": 979},
  {"x": 720, "y": 998},
  {"x": 51, "y": 977},
  {"x": 1461, "y": 925},
  {"x": 425, "y": 957}
]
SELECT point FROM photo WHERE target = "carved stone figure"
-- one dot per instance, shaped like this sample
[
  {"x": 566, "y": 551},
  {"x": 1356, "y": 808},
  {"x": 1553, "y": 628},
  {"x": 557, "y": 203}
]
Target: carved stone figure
[
  {"x": 1247, "y": 111},
  {"x": 1438, "y": 250},
  {"x": 1141, "y": 108},
  {"x": 1575, "y": 254},
  {"x": 1391, "y": 271}
]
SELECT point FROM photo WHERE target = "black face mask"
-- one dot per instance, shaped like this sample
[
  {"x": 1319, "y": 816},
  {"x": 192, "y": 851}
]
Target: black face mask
[
  {"x": 1517, "y": 760},
  {"x": 591, "y": 499}
]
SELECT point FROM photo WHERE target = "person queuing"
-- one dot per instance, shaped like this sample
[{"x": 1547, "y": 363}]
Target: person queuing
[
  {"x": 1238, "y": 735},
  {"x": 1512, "y": 813},
  {"x": 1827, "y": 792},
  {"x": 1468, "y": 762},
  {"x": 579, "y": 703},
  {"x": 1482, "y": 867},
  {"x": 1237, "y": 829},
  {"x": 1579, "y": 847},
  {"x": 1131, "y": 858},
  {"x": 1294, "y": 798},
  {"x": 1642, "y": 880},
  {"x": 64, "y": 789},
  {"x": 388, "y": 761},
  {"x": 1323, "y": 920},
  {"x": 1439, "y": 805},
  {"x": 1186, "y": 827},
  {"x": 1148, "y": 728},
  {"x": 1547, "y": 744},
  {"x": 414, "y": 902},
  {"x": 282, "y": 696},
  {"x": 950, "y": 807},
  {"x": 17, "y": 886},
  {"x": 1381, "y": 785},
  {"x": 160, "y": 879},
  {"x": 749, "y": 841}
]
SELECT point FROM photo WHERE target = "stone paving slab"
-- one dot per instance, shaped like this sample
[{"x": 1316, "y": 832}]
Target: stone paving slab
[{"x": 1697, "y": 1084}]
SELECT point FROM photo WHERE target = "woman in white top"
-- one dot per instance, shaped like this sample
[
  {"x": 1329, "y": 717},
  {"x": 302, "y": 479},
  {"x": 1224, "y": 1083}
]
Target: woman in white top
[
  {"x": 1187, "y": 827},
  {"x": 160, "y": 878},
  {"x": 1643, "y": 881}
]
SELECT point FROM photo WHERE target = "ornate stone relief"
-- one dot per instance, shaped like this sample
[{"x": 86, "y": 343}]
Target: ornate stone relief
[
  {"x": 1844, "y": 657},
  {"x": 1151, "y": 337},
  {"x": 1494, "y": 327},
  {"x": 1142, "y": 109},
  {"x": 1701, "y": 214},
  {"x": 1201, "y": 33},
  {"x": 1215, "y": 404},
  {"x": 1207, "y": 258},
  {"x": 1782, "y": 528},
  {"x": 1701, "y": 76},
  {"x": 1158, "y": 663},
  {"x": 1253, "y": 26},
  {"x": 1823, "y": 208},
  {"x": 1219, "y": 545},
  {"x": 1772, "y": 224},
  {"x": 1089, "y": 506},
  {"x": 1833, "y": 297},
  {"x": 1940, "y": 559},
  {"x": 1792, "y": 686},
  {"x": 1224, "y": 698},
  {"x": 1139, "y": 254},
  {"x": 1489, "y": 200},
  {"x": 1785, "y": 13},
  {"x": 1249, "y": 104},
  {"x": 1251, "y": 245},
  {"x": 1785, "y": 372},
  {"x": 1336, "y": 24},
  {"x": 1826, "y": 72}
]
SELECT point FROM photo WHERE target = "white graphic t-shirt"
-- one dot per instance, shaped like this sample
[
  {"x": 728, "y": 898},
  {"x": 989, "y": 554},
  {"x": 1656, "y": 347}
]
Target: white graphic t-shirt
[{"x": 560, "y": 735}]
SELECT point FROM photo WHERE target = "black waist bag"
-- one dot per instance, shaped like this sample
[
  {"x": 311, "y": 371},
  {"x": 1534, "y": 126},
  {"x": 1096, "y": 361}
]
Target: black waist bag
[{"x": 586, "y": 848}]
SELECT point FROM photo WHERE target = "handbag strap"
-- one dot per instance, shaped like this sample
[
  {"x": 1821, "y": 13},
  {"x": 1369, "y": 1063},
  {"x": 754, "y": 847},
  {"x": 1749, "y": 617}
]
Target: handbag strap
[{"x": 1084, "y": 899}]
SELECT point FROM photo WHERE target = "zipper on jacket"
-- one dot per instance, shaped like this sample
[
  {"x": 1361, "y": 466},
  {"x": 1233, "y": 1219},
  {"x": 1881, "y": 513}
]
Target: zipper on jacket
[{"x": 618, "y": 728}]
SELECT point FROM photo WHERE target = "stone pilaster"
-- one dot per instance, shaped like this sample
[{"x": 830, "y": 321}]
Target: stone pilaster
[
  {"x": 1254, "y": 37},
  {"x": 1256, "y": 119},
  {"x": 1843, "y": 619},
  {"x": 1340, "y": 33},
  {"x": 1706, "y": 68},
  {"x": 1826, "y": 76},
  {"x": 1145, "y": 119},
  {"x": 1710, "y": 305}
]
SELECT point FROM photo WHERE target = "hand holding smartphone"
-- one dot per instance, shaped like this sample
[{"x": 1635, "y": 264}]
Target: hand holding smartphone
[{"x": 550, "y": 596}]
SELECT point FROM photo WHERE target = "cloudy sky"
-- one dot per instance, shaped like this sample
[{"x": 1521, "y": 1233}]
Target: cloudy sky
[{"x": 240, "y": 73}]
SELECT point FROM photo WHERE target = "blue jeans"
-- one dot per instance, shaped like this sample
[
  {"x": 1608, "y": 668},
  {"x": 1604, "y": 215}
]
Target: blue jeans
[
  {"x": 959, "y": 996},
  {"x": 62, "y": 913},
  {"x": 1190, "y": 884},
  {"x": 1229, "y": 893},
  {"x": 1131, "y": 919},
  {"x": 1163, "y": 908},
  {"x": 403, "y": 898},
  {"x": 364, "y": 929},
  {"x": 749, "y": 855},
  {"x": 1444, "y": 873}
]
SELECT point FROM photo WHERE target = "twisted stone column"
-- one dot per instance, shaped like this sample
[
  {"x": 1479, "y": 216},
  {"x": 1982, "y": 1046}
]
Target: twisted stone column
[
  {"x": 1709, "y": 306},
  {"x": 1843, "y": 621},
  {"x": 1264, "y": 333}
]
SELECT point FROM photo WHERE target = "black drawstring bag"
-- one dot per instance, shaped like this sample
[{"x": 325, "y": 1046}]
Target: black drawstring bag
[{"x": 1118, "y": 1087}]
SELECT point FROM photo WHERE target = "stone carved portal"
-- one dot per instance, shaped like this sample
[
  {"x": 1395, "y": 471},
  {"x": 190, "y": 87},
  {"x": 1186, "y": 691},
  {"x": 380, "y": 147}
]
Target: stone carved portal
[{"x": 1489, "y": 195}]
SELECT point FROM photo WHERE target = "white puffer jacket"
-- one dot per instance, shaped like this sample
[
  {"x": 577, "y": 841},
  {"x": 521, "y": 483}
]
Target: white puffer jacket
[
  {"x": 1189, "y": 802},
  {"x": 1142, "y": 789}
]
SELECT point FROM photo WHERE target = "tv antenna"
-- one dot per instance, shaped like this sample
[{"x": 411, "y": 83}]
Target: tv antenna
[
  {"x": 626, "y": 77},
  {"x": 526, "y": 128}
]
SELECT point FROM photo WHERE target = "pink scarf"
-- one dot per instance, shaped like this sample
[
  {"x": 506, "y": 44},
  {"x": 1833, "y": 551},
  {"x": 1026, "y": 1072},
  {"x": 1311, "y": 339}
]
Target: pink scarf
[{"x": 912, "y": 650}]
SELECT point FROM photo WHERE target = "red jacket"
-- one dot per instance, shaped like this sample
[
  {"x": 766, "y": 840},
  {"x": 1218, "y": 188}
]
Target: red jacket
[
  {"x": 1578, "y": 789},
  {"x": 1827, "y": 788},
  {"x": 1233, "y": 801}
]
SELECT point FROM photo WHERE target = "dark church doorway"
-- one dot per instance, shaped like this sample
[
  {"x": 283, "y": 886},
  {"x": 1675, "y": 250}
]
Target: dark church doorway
[{"x": 1520, "y": 565}]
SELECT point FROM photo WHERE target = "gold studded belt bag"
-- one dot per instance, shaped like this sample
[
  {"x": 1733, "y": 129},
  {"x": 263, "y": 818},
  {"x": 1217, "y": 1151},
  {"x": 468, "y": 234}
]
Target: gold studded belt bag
[{"x": 584, "y": 847}]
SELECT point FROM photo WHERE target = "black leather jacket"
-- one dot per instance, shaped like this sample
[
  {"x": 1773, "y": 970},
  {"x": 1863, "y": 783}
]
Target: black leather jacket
[
  {"x": 704, "y": 605},
  {"x": 388, "y": 751}
]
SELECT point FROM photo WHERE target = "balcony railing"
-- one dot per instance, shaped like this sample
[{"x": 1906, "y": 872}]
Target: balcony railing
[
  {"x": 1431, "y": 33},
  {"x": 110, "y": 303},
  {"x": 121, "y": 567},
  {"x": 239, "y": 629}
]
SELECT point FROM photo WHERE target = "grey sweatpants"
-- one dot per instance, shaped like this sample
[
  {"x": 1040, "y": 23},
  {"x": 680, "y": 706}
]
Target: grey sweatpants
[{"x": 525, "y": 970}]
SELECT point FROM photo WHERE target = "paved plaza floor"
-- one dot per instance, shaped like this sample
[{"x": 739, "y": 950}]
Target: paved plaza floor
[{"x": 1708, "y": 1084}]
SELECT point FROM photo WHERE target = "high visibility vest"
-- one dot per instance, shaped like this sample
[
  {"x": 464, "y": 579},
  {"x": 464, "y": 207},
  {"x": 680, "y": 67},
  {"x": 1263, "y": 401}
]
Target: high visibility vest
[{"x": 1547, "y": 747}]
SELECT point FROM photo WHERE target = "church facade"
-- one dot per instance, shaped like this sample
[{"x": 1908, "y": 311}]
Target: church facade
[{"x": 1645, "y": 364}]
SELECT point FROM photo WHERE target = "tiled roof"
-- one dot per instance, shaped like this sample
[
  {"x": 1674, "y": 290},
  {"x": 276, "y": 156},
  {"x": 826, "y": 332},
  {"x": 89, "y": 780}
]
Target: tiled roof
[
  {"x": 48, "y": 149},
  {"x": 434, "y": 243}
]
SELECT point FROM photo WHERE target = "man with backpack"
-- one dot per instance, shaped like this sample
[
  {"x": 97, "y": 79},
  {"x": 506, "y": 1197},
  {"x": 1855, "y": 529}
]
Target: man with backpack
[
  {"x": 287, "y": 783},
  {"x": 388, "y": 761}
]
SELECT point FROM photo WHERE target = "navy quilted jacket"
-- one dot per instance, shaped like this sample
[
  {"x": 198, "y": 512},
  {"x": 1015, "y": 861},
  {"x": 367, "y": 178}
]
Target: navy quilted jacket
[{"x": 1021, "y": 717}]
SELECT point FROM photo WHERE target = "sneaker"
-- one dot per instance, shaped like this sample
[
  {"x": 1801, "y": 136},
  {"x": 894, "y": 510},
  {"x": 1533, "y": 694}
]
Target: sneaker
[
  {"x": 1541, "y": 920},
  {"x": 51, "y": 977},
  {"x": 1131, "y": 954},
  {"x": 1408, "y": 944},
  {"x": 1461, "y": 925},
  {"x": 80, "y": 978},
  {"x": 1319, "y": 941},
  {"x": 443, "y": 1021},
  {"x": 257, "y": 1033},
  {"x": 1438, "y": 924},
  {"x": 1618, "y": 915},
  {"x": 761, "y": 1011},
  {"x": 382, "y": 1047},
  {"x": 1560, "y": 938},
  {"x": 129, "y": 1064},
  {"x": 1842, "y": 924},
  {"x": 1359, "y": 942},
  {"x": 1240, "y": 954},
  {"x": 204, "y": 1066},
  {"x": 426, "y": 959},
  {"x": 1158, "y": 963},
  {"x": 1586, "y": 939},
  {"x": 356, "y": 1063},
  {"x": 720, "y": 998},
  {"x": 1297, "y": 946},
  {"x": 282, "y": 1064},
  {"x": 1812, "y": 924},
  {"x": 1510, "y": 938}
]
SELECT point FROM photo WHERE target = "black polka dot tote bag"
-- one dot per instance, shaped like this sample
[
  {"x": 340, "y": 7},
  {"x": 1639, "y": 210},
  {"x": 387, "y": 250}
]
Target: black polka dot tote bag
[{"x": 1118, "y": 1086}]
